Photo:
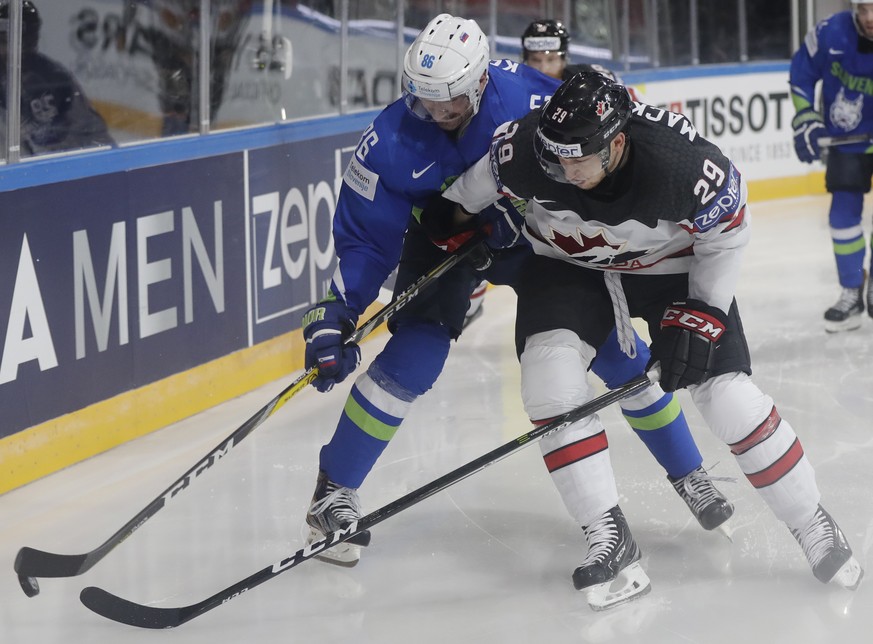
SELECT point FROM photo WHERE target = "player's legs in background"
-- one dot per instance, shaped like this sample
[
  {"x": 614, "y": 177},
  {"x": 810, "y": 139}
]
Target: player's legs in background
[
  {"x": 848, "y": 180},
  {"x": 848, "y": 243},
  {"x": 477, "y": 299}
]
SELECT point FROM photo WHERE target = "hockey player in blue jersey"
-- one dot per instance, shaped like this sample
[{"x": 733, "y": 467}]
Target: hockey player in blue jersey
[
  {"x": 839, "y": 53},
  {"x": 454, "y": 99}
]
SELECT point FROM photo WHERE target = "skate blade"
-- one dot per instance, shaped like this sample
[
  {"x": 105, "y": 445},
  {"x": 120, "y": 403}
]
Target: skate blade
[
  {"x": 726, "y": 530},
  {"x": 631, "y": 583},
  {"x": 850, "y": 575},
  {"x": 343, "y": 554},
  {"x": 852, "y": 324}
]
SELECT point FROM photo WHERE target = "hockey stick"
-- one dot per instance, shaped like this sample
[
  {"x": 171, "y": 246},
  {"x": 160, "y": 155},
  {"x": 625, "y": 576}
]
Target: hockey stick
[
  {"x": 127, "y": 612},
  {"x": 833, "y": 141},
  {"x": 31, "y": 563}
]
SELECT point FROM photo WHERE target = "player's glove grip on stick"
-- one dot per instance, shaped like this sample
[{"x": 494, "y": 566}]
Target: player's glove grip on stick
[
  {"x": 685, "y": 347},
  {"x": 438, "y": 218},
  {"x": 325, "y": 328}
]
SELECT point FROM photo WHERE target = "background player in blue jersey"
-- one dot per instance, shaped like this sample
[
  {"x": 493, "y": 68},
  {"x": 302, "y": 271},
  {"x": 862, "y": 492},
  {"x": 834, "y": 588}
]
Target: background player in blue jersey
[
  {"x": 454, "y": 99},
  {"x": 839, "y": 53}
]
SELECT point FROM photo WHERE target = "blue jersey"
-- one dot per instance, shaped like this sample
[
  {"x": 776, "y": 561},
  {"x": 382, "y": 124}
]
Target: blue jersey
[
  {"x": 401, "y": 162},
  {"x": 837, "y": 55}
]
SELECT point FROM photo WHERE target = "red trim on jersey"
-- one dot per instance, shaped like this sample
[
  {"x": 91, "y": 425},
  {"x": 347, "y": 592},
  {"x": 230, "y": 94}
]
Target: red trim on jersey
[
  {"x": 761, "y": 433},
  {"x": 685, "y": 252},
  {"x": 577, "y": 451},
  {"x": 738, "y": 219},
  {"x": 780, "y": 468}
]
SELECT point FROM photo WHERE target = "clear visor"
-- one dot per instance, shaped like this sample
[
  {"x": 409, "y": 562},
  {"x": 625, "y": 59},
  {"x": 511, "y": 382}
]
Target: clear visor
[
  {"x": 572, "y": 169},
  {"x": 449, "y": 114}
]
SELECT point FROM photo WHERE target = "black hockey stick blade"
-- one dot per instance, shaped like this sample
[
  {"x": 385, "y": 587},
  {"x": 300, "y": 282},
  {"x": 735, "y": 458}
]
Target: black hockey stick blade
[
  {"x": 127, "y": 612},
  {"x": 31, "y": 563}
]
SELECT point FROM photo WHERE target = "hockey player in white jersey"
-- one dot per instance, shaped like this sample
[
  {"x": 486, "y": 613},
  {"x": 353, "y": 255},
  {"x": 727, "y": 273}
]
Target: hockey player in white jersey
[{"x": 634, "y": 214}]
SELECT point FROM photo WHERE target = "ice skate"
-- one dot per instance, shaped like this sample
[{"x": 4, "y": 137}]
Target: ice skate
[
  {"x": 334, "y": 507},
  {"x": 870, "y": 298},
  {"x": 611, "y": 573},
  {"x": 846, "y": 314},
  {"x": 709, "y": 506},
  {"x": 828, "y": 552},
  {"x": 477, "y": 299}
]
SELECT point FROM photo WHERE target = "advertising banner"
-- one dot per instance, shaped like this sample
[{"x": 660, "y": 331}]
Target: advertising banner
[
  {"x": 748, "y": 115},
  {"x": 115, "y": 281}
]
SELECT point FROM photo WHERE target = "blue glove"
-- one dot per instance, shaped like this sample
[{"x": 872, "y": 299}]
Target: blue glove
[
  {"x": 808, "y": 129},
  {"x": 325, "y": 327},
  {"x": 502, "y": 222}
]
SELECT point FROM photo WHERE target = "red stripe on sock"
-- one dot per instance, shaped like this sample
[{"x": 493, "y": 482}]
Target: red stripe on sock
[
  {"x": 761, "y": 433},
  {"x": 574, "y": 452},
  {"x": 780, "y": 468}
]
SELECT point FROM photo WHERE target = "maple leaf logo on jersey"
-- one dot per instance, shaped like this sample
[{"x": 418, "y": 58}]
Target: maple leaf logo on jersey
[
  {"x": 604, "y": 109},
  {"x": 579, "y": 244}
]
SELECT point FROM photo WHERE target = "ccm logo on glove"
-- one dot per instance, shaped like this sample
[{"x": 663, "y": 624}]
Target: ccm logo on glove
[{"x": 700, "y": 323}]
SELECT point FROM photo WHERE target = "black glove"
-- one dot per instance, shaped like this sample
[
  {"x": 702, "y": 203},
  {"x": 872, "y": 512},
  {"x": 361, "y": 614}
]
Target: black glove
[
  {"x": 438, "y": 220},
  {"x": 685, "y": 347}
]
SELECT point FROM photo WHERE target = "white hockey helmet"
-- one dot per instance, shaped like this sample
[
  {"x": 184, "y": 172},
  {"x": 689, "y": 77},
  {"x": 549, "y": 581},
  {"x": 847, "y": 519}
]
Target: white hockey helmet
[{"x": 447, "y": 60}]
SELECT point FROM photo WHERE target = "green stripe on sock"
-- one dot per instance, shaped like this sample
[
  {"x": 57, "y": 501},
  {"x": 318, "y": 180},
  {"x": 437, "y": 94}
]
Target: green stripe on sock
[
  {"x": 370, "y": 425},
  {"x": 848, "y": 249},
  {"x": 657, "y": 420}
]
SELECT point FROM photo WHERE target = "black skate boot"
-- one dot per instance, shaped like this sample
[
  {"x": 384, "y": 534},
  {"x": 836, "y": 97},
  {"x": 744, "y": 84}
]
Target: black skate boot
[
  {"x": 828, "y": 552},
  {"x": 333, "y": 508},
  {"x": 707, "y": 504},
  {"x": 845, "y": 315},
  {"x": 870, "y": 298},
  {"x": 611, "y": 573}
]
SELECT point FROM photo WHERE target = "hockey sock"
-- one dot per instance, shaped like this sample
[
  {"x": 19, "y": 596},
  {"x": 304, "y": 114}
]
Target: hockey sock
[
  {"x": 664, "y": 430},
  {"x": 848, "y": 237},
  {"x": 655, "y": 417},
  {"x": 380, "y": 399},
  {"x": 764, "y": 444}
]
